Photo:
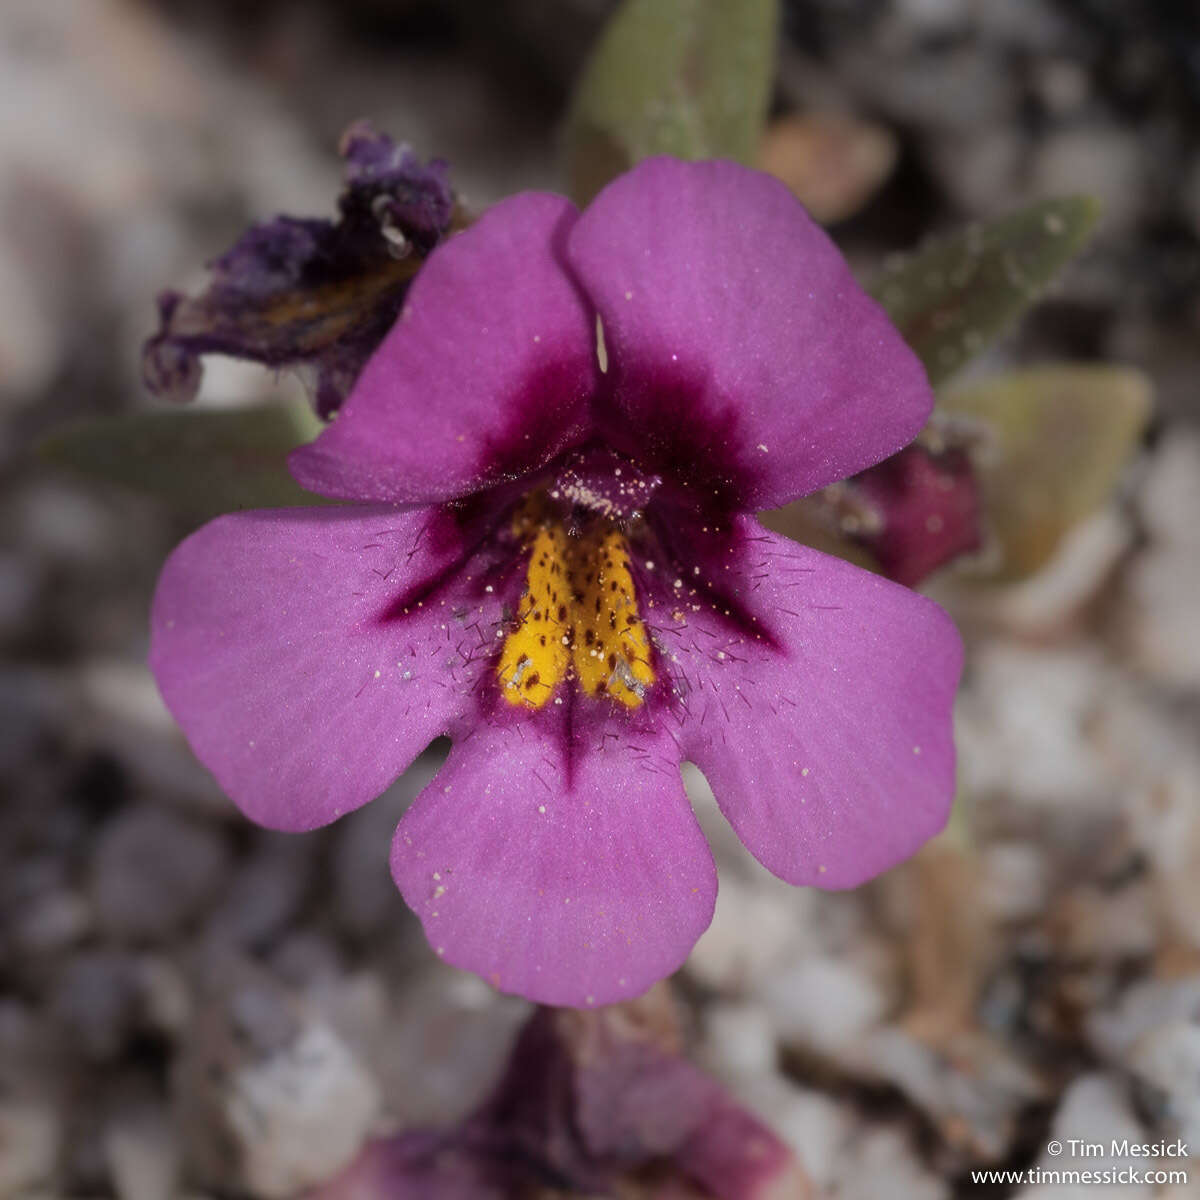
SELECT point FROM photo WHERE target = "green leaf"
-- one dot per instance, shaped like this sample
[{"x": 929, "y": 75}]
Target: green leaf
[
  {"x": 690, "y": 78},
  {"x": 201, "y": 462},
  {"x": 954, "y": 297},
  {"x": 1060, "y": 436}
]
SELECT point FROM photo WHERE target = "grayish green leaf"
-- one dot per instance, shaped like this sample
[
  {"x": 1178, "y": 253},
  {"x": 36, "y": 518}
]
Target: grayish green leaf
[
  {"x": 954, "y": 297},
  {"x": 1059, "y": 437},
  {"x": 690, "y": 78},
  {"x": 201, "y": 462}
]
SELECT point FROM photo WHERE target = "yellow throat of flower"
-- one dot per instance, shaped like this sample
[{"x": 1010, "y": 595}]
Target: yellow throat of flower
[{"x": 578, "y": 615}]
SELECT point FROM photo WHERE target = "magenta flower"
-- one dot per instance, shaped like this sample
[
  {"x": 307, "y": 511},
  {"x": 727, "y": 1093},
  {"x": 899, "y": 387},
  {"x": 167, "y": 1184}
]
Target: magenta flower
[{"x": 557, "y": 566}]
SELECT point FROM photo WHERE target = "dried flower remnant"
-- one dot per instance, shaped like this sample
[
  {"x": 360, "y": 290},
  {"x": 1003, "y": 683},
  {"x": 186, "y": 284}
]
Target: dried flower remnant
[
  {"x": 558, "y": 567},
  {"x": 593, "y": 1104},
  {"x": 298, "y": 291}
]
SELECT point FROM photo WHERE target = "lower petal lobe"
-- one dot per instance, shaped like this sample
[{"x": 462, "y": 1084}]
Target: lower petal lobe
[
  {"x": 816, "y": 698},
  {"x": 559, "y": 858},
  {"x": 311, "y": 654}
]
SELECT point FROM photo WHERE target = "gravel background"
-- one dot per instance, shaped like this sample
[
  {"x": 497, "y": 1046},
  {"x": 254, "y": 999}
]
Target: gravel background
[{"x": 192, "y": 1006}]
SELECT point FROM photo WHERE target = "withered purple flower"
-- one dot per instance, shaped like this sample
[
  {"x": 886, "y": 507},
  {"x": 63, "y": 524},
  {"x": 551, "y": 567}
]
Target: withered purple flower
[
  {"x": 311, "y": 291},
  {"x": 557, "y": 565}
]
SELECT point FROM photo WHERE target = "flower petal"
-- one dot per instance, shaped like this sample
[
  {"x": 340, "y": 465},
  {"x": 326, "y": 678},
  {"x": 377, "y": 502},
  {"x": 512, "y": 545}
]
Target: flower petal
[
  {"x": 737, "y": 337},
  {"x": 282, "y": 644},
  {"x": 818, "y": 702},
  {"x": 486, "y": 374},
  {"x": 562, "y": 866}
]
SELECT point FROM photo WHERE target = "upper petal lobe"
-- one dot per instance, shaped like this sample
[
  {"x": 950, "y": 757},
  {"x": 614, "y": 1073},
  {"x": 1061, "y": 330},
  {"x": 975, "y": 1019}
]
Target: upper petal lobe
[
  {"x": 737, "y": 337},
  {"x": 564, "y": 866},
  {"x": 486, "y": 375},
  {"x": 817, "y": 702},
  {"x": 281, "y": 645}
]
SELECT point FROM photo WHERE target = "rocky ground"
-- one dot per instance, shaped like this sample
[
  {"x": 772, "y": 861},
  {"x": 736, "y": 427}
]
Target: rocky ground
[{"x": 190, "y": 1006}]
